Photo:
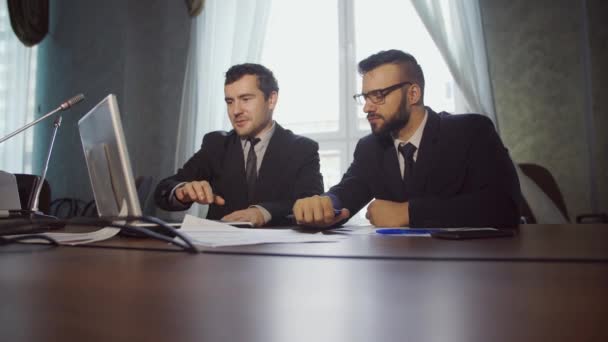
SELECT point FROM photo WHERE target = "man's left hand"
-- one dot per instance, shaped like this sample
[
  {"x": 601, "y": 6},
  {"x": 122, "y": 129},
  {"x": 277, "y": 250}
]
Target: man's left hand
[
  {"x": 383, "y": 213},
  {"x": 253, "y": 215}
]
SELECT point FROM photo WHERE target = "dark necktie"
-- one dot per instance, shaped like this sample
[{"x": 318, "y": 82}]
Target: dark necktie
[
  {"x": 251, "y": 168},
  {"x": 407, "y": 150}
]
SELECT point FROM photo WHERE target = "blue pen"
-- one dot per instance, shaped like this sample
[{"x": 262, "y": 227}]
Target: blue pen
[{"x": 405, "y": 231}]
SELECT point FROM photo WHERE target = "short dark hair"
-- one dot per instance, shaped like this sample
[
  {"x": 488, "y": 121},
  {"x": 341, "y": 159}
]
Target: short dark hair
[
  {"x": 266, "y": 81},
  {"x": 408, "y": 64}
]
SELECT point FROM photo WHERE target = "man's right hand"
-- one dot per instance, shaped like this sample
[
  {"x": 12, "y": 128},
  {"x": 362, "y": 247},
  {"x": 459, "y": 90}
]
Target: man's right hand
[
  {"x": 199, "y": 192},
  {"x": 317, "y": 211}
]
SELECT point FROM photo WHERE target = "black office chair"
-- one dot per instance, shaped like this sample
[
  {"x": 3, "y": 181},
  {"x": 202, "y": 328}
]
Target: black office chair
[
  {"x": 26, "y": 184},
  {"x": 67, "y": 208},
  {"x": 144, "y": 187},
  {"x": 545, "y": 181}
]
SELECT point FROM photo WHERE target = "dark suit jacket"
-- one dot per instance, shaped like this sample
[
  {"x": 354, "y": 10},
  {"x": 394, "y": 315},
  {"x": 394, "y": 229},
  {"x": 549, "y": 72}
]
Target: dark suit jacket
[
  {"x": 463, "y": 175},
  {"x": 289, "y": 171}
]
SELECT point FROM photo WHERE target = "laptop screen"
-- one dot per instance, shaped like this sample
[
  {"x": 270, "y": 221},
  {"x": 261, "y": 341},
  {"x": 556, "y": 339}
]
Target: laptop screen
[
  {"x": 9, "y": 198},
  {"x": 107, "y": 159}
]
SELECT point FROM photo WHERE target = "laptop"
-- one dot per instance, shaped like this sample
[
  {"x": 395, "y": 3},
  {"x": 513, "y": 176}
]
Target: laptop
[
  {"x": 108, "y": 163},
  {"x": 109, "y": 166},
  {"x": 9, "y": 199}
]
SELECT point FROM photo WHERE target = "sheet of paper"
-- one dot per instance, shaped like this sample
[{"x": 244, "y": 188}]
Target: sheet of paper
[
  {"x": 73, "y": 239},
  {"x": 209, "y": 233}
]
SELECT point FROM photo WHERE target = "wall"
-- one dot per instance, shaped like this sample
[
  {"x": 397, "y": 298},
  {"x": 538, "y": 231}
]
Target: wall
[
  {"x": 538, "y": 76},
  {"x": 598, "y": 39},
  {"x": 134, "y": 49}
]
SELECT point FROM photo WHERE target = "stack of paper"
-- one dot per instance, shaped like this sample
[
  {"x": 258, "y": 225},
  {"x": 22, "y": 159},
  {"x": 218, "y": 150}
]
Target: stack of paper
[
  {"x": 209, "y": 233},
  {"x": 73, "y": 239}
]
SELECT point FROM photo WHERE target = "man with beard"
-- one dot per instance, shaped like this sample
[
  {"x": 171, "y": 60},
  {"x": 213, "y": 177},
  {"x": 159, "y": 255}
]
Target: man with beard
[
  {"x": 420, "y": 168},
  {"x": 256, "y": 171}
]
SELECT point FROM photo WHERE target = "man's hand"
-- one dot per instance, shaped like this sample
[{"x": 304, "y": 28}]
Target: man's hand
[
  {"x": 317, "y": 211},
  {"x": 383, "y": 213},
  {"x": 253, "y": 215},
  {"x": 199, "y": 192}
]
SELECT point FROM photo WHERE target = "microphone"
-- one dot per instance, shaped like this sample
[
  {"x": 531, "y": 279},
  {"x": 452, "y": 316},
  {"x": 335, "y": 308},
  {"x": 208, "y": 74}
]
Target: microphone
[
  {"x": 71, "y": 102},
  {"x": 64, "y": 106},
  {"x": 34, "y": 206}
]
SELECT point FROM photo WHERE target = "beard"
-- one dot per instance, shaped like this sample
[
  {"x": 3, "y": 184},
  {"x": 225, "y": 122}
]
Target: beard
[{"x": 395, "y": 123}]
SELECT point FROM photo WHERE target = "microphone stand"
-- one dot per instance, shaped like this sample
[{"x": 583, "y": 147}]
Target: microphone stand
[
  {"x": 29, "y": 125},
  {"x": 64, "y": 106},
  {"x": 33, "y": 210},
  {"x": 34, "y": 206}
]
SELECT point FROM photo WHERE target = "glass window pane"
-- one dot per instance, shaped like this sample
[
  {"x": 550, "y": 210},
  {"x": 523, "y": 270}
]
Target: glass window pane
[
  {"x": 402, "y": 29},
  {"x": 301, "y": 48},
  {"x": 331, "y": 167}
]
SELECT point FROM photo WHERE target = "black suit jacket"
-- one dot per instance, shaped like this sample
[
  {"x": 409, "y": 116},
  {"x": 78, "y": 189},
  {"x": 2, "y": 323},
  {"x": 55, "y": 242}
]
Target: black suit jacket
[
  {"x": 463, "y": 175},
  {"x": 289, "y": 171}
]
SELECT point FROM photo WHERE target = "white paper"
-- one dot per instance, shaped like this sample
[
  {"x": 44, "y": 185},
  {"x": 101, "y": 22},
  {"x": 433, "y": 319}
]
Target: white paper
[
  {"x": 209, "y": 233},
  {"x": 74, "y": 239}
]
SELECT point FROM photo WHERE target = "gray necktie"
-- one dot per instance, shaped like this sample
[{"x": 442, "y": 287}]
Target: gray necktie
[
  {"x": 407, "y": 150},
  {"x": 251, "y": 168}
]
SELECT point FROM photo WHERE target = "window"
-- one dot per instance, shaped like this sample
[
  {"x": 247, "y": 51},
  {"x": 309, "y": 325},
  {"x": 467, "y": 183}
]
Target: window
[
  {"x": 17, "y": 84},
  {"x": 314, "y": 46}
]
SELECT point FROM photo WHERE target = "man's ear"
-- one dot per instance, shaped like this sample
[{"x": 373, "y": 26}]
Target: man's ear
[
  {"x": 272, "y": 100},
  {"x": 414, "y": 94}
]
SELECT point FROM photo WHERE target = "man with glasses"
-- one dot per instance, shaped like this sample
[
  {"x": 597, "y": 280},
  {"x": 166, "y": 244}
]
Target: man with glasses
[
  {"x": 419, "y": 168},
  {"x": 256, "y": 171}
]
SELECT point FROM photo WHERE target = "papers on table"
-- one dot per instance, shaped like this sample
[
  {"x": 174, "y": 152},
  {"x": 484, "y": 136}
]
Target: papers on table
[
  {"x": 74, "y": 239},
  {"x": 209, "y": 233}
]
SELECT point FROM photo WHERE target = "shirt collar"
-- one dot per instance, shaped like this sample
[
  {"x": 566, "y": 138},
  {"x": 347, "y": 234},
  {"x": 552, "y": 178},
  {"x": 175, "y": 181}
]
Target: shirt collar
[
  {"x": 264, "y": 137},
  {"x": 416, "y": 137}
]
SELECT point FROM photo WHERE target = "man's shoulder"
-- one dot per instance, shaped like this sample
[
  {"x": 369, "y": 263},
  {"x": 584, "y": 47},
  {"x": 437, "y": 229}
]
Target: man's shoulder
[
  {"x": 286, "y": 136},
  {"x": 467, "y": 119},
  {"x": 371, "y": 143},
  {"x": 219, "y": 134},
  {"x": 218, "y": 137}
]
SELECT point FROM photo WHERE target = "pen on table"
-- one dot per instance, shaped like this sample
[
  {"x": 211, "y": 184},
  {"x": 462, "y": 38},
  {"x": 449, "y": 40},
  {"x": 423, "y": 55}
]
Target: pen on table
[{"x": 405, "y": 231}]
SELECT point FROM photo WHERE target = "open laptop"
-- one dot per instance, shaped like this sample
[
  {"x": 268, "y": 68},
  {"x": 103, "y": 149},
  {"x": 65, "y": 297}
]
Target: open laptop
[
  {"x": 109, "y": 166},
  {"x": 108, "y": 163},
  {"x": 9, "y": 194}
]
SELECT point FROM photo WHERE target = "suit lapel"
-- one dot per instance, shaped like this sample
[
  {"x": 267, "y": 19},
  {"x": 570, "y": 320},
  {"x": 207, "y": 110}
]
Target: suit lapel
[
  {"x": 234, "y": 171},
  {"x": 427, "y": 152}
]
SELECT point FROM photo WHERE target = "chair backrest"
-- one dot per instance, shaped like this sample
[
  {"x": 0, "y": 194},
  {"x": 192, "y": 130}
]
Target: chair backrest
[
  {"x": 144, "y": 186},
  {"x": 545, "y": 181},
  {"x": 26, "y": 185}
]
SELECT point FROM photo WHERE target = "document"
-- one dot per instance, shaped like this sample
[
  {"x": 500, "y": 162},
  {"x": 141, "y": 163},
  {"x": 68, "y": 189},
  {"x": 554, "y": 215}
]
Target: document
[
  {"x": 73, "y": 239},
  {"x": 207, "y": 233}
]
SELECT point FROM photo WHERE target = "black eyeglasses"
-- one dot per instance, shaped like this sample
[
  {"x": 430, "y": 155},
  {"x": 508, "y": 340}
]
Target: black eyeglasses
[{"x": 377, "y": 96}]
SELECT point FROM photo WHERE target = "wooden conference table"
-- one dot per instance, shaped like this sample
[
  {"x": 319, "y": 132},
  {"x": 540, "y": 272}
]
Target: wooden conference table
[{"x": 550, "y": 283}]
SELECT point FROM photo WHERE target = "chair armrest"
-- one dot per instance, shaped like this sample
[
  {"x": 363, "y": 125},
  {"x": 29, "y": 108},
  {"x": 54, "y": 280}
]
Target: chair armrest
[{"x": 592, "y": 218}]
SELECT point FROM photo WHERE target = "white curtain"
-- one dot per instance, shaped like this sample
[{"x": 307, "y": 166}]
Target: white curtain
[
  {"x": 17, "y": 85},
  {"x": 227, "y": 32},
  {"x": 456, "y": 28}
]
